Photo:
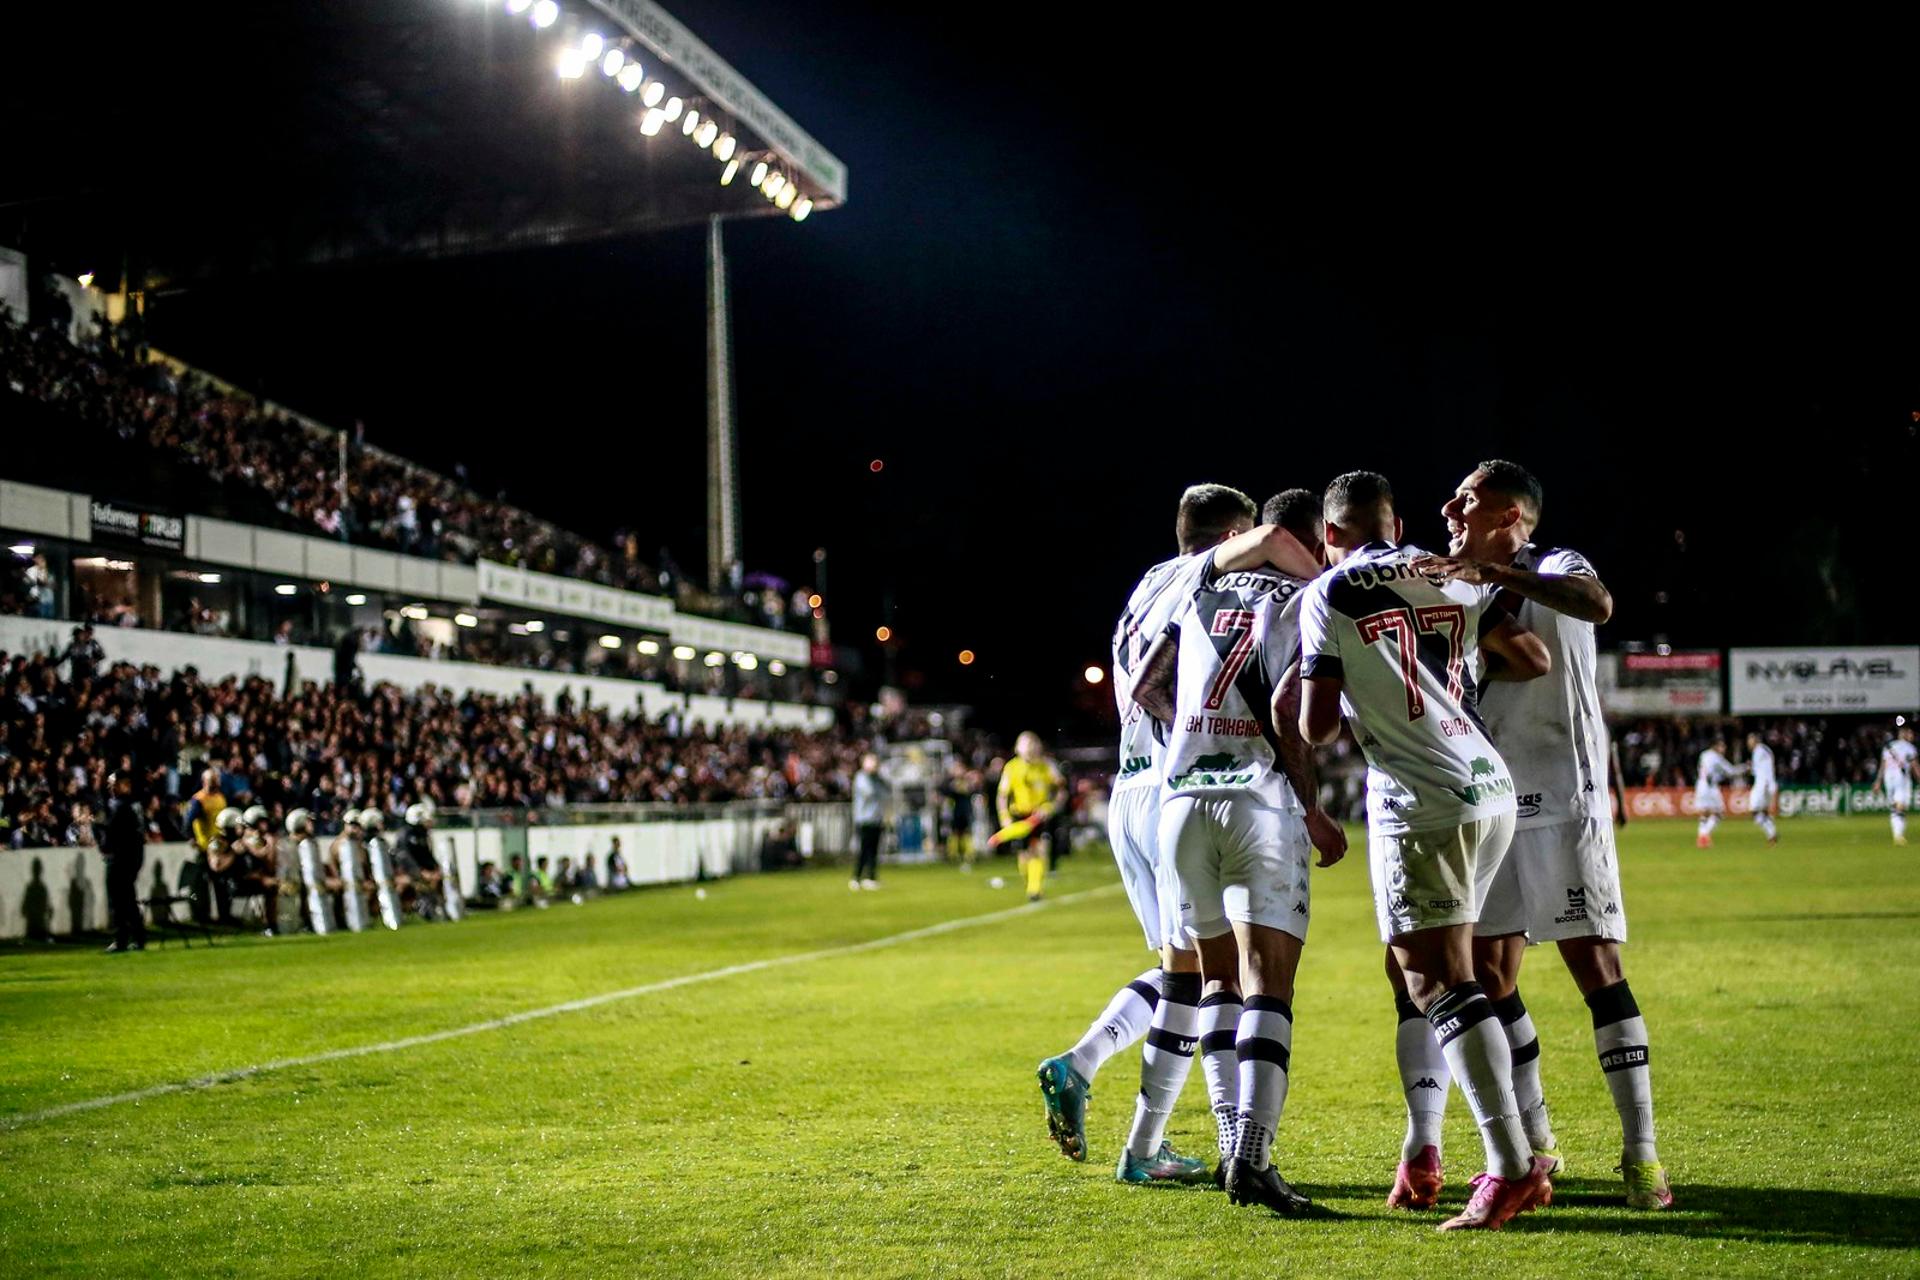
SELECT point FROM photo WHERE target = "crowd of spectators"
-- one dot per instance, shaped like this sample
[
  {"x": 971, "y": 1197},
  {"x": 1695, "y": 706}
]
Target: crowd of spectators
[
  {"x": 1814, "y": 752},
  {"x": 67, "y": 721},
  {"x": 294, "y": 466}
]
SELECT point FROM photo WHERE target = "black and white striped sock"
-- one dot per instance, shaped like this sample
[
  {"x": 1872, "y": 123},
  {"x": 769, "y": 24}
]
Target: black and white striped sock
[
  {"x": 1528, "y": 1094},
  {"x": 1265, "y": 1050},
  {"x": 1219, "y": 1028},
  {"x": 1123, "y": 1021},
  {"x": 1477, "y": 1051},
  {"x": 1620, "y": 1035},
  {"x": 1165, "y": 1060}
]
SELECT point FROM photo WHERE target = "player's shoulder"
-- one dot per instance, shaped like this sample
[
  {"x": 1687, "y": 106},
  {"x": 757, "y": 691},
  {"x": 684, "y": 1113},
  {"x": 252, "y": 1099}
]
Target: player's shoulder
[
  {"x": 1155, "y": 579},
  {"x": 1559, "y": 560}
]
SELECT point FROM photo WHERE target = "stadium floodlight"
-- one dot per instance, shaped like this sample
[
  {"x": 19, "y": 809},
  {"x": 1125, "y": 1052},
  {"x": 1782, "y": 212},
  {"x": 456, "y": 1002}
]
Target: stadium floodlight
[
  {"x": 726, "y": 174},
  {"x": 650, "y": 122},
  {"x": 418, "y": 612},
  {"x": 715, "y": 658},
  {"x": 545, "y": 13},
  {"x": 652, "y": 94},
  {"x": 1095, "y": 675},
  {"x": 703, "y": 136},
  {"x": 684, "y": 652},
  {"x": 518, "y": 7},
  {"x": 630, "y": 77},
  {"x": 210, "y": 579},
  {"x": 746, "y": 661},
  {"x": 773, "y": 184},
  {"x": 648, "y": 647},
  {"x": 609, "y": 642},
  {"x": 692, "y": 122},
  {"x": 673, "y": 109},
  {"x": 883, "y": 634},
  {"x": 356, "y": 598},
  {"x": 776, "y": 668},
  {"x": 611, "y": 64},
  {"x": 535, "y": 625},
  {"x": 786, "y": 197},
  {"x": 966, "y": 657},
  {"x": 465, "y": 620},
  {"x": 759, "y": 174},
  {"x": 724, "y": 149},
  {"x": 801, "y": 208},
  {"x": 573, "y": 64},
  {"x": 86, "y": 279},
  {"x": 591, "y": 44},
  {"x": 285, "y": 589},
  {"x": 21, "y": 548}
]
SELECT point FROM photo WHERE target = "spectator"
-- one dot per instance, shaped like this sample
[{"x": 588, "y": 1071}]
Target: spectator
[
  {"x": 871, "y": 796},
  {"x": 124, "y": 847},
  {"x": 616, "y": 867}
]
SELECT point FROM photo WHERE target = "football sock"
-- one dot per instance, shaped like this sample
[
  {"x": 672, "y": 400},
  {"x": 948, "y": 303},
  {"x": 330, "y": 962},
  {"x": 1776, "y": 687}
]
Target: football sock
[
  {"x": 1476, "y": 1050},
  {"x": 1765, "y": 820},
  {"x": 1036, "y": 871},
  {"x": 1264, "y": 1045},
  {"x": 1708, "y": 822},
  {"x": 1219, "y": 1028},
  {"x": 1524, "y": 1045},
  {"x": 1424, "y": 1078},
  {"x": 1165, "y": 1060},
  {"x": 1620, "y": 1034},
  {"x": 1124, "y": 1020},
  {"x": 1899, "y": 825}
]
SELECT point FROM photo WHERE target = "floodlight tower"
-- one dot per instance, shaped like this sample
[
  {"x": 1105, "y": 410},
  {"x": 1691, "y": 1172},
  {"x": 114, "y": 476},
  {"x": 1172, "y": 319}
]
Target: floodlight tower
[{"x": 723, "y": 496}]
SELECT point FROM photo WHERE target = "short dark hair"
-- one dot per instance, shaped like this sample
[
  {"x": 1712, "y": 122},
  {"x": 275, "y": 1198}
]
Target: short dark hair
[
  {"x": 1206, "y": 512},
  {"x": 1517, "y": 483},
  {"x": 1360, "y": 499},
  {"x": 1295, "y": 510}
]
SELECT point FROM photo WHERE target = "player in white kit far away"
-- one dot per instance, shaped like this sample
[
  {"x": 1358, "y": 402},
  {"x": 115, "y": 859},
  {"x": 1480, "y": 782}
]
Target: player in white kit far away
[
  {"x": 1897, "y": 769},
  {"x": 1214, "y": 528},
  {"x": 1560, "y": 882},
  {"x": 1713, "y": 772},
  {"x": 1394, "y": 651},
  {"x": 1764, "y": 795}
]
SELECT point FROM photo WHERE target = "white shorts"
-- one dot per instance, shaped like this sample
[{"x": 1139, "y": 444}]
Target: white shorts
[
  {"x": 1709, "y": 800},
  {"x": 1900, "y": 795},
  {"x": 1133, "y": 827},
  {"x": 1760, "y": 799},
  {"x": 1235, "y": 861},
  {"x": 1431, "y": 879},
  {"x": 1557, "y": 882}
]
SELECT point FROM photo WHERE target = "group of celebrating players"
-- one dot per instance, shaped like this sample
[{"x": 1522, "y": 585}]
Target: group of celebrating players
[
  {"x": 1468, "y": 681},
  {"x": 361, "y": 871}
]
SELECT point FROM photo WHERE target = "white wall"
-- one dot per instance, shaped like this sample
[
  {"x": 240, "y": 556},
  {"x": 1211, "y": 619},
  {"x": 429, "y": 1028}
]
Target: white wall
[
  {"x": 73, "y": 877},
  {"x": 218, "y": 658}
]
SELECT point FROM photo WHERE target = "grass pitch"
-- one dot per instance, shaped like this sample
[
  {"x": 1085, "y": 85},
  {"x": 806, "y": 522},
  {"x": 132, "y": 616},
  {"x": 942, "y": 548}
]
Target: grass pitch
[{"x": 874, "y": 1112}]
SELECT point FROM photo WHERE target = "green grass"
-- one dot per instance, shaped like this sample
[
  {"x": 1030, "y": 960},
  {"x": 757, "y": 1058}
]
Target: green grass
[{"x": 875, "y": 1113}]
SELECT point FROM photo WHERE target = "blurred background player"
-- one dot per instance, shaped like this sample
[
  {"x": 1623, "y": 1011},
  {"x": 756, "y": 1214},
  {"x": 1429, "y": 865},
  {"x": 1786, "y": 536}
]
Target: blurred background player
[
  {"x": 1895, "y": 777},
  {"x": 1394, "y": 650},
  {"x": 1713, "y": 772},
  {"x": 1764, "y": 796},
  {"x": 872, "y": 795},
  {"x": 956, "y": 799},
  {"x": 1030, "y": 791},
  {"x": 1560, "y": 881},
  {"x": 1161, "y": 1003}
]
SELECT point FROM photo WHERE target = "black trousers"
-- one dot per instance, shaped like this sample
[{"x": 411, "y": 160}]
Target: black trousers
[
  {"x": 868, "y": 867},
  {"x": 123, "y": 896}
]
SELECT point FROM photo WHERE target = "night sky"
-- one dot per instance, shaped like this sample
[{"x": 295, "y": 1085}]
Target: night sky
[{"x": 1085, "y": 264}]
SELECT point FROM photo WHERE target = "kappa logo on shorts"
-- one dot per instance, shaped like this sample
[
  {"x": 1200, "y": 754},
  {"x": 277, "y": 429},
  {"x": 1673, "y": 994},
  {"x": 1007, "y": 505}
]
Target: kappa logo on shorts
[
  {"x": 1611, "y": 909},
  {"x": 1576, "y": 906},
  {"x": 1399, "y": 905},
  {"x": 1300, "y": 908}
]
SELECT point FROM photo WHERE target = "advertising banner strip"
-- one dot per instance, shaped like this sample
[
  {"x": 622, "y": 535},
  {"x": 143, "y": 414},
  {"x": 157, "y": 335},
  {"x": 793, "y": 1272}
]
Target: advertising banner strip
[{"x": 1824, "y": 680}]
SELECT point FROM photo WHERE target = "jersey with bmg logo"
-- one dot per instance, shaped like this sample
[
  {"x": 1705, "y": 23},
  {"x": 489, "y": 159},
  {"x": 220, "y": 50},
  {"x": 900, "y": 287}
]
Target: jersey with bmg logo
[
  {"x": 1403, "y": 646},
  {"x": 1238, "y": 635},
  {"x": 1160, "y": 593}
]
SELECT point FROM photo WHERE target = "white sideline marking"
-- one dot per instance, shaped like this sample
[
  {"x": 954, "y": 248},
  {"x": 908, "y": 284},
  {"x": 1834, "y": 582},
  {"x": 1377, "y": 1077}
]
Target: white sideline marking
[{"x": 553, "y": 1010}]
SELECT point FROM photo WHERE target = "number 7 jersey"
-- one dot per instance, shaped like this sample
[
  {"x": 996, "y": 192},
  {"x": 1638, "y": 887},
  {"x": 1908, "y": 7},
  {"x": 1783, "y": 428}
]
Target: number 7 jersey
[
  {"x": 1403, "y": 645},
  {"x": 1238, "y": 635}
]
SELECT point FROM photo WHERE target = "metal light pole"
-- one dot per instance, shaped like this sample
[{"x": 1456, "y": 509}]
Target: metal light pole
[{"x": 723, "y": 497}]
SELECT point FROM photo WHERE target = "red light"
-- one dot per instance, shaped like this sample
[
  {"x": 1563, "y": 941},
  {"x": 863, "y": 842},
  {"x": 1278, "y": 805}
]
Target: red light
[{"x": 876, "y": 466}]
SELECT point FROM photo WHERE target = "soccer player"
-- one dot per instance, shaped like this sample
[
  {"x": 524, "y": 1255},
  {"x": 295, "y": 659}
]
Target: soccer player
[
  {"x": 1030, "y": 790},
  {"x": 1239, "y": 810},
  {"x": 1764, "y": 795},
  {"x": 1896, "y": 774},
  {"x": 1560, "y": 881},
  {"x": 1393, "y": 651},
  {"x": 1714, "y": 770},
  {"x": 1213, "y": 523}
]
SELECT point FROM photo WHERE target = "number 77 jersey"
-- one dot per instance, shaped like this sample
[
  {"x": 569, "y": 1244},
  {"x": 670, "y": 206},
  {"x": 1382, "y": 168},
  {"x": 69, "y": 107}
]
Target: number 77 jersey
[
  {"x": 1403, "y": 645},
  {"x": 1238, "y": 635}
]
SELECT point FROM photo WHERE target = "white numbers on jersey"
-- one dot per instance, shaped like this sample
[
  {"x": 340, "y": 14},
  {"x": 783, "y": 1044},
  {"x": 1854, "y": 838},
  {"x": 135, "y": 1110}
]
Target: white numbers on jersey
[
  {"x": 1449, "y": 620},
  {"x": 1225, "y": 623}
]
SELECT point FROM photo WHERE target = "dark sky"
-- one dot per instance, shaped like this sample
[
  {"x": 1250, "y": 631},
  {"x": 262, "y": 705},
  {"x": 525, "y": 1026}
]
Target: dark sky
[{"x": 1087, "y": 262}]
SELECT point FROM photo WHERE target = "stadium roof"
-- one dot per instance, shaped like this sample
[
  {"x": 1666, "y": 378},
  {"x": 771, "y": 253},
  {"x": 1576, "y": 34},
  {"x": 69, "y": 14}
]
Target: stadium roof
[{"x": 285, "y": 133}]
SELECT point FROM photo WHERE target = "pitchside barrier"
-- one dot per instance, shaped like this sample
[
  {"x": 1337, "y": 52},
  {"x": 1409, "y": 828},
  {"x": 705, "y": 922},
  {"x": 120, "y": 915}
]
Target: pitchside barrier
[
  {"x": 1795, "y": 801},
  {"x": 64, "y": 891}
]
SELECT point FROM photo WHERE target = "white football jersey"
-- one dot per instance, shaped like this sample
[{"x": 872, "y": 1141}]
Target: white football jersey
[
  {"x": 1550, "y": 730},
  {"x": 1762, "y": 764},
  {"x": 1713, "y": 769},
  {"x": 1404, "y": 645},
  {"x": 1161, "y": 593},
  {"x": 1238, "y": 635},
  {"x": 1896, "y": 761}
]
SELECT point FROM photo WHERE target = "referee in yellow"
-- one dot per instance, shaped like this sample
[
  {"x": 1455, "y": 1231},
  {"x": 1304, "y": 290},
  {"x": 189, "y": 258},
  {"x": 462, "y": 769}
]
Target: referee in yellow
[{"x": 1030, "y": 790}]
